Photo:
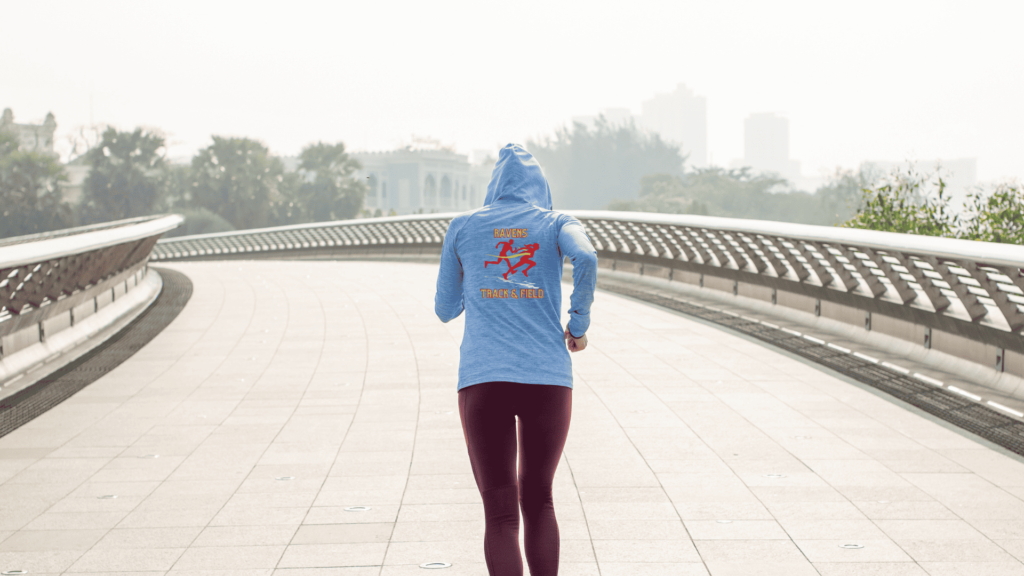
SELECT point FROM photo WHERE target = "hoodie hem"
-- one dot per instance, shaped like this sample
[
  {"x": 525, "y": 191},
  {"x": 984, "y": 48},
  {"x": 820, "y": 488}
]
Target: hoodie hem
[{"x": 513, "y": 380}]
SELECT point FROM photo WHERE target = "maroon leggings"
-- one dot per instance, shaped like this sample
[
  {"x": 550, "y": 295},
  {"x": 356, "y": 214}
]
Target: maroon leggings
[{"x": 488, "y": 412}]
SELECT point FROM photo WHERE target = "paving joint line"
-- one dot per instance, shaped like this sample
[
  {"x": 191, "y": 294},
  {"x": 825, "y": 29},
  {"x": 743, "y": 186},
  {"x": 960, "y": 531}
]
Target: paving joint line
[
  {"x": 661, "y": 485},
  {"x": 874, "y": 521},
  {"x": 416, "y": 428},
  {"x": 25, "y": 405},
  {"x": 971, "y": 413}
]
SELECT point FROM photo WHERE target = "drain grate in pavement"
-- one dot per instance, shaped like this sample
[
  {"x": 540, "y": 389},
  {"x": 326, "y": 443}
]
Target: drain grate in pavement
[
  {"x": 976, "y": 418},
  {"x": 21, "y": 407}
]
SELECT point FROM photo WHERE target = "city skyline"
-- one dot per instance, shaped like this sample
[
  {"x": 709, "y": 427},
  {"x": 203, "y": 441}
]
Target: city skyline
[
  {"x": 839, "y": 75},
  {"x": 678, "y": 117}
]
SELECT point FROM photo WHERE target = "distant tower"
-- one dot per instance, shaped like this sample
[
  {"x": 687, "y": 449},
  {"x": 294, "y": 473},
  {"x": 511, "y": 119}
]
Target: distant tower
[
  {"x": 681, "y": 118},
  {"x": 766, "y": 146}
]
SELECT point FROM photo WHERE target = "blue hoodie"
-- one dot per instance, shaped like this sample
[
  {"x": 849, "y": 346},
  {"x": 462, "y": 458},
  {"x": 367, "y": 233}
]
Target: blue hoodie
[{"x": 502, "y": 264}]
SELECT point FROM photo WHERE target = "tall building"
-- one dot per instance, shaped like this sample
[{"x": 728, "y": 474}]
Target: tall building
[
  {"x": 422, "y": 178},
  {"x": 766, "y": 146},
  {"x": 680, "y": 117}
]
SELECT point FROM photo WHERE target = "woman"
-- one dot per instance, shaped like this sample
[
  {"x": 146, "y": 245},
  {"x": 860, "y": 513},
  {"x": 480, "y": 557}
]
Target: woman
[{"x": 512, "y": 361}]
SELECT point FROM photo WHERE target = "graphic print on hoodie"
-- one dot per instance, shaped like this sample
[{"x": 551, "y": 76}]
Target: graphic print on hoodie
[{"x": 502, "y": 264}]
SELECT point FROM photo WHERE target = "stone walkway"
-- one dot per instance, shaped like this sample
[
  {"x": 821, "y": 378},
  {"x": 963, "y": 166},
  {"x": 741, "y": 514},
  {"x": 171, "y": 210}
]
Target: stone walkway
[{"x": 287, "y": 392}]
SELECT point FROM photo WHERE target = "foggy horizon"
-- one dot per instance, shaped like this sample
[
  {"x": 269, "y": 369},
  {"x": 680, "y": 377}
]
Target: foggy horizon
[{"x": 871, "y": 82}]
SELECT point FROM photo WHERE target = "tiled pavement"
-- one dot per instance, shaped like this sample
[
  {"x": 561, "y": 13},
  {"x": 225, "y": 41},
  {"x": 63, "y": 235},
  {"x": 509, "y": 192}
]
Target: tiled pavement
[{"x": 691, "y": 451}]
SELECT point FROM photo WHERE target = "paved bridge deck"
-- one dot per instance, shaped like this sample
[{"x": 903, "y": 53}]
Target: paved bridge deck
[{"x": 286, "y": 392}]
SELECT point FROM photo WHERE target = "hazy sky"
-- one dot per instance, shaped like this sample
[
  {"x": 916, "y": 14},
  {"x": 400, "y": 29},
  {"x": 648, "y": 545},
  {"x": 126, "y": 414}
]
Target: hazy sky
[{"x": 886, "y": 80}]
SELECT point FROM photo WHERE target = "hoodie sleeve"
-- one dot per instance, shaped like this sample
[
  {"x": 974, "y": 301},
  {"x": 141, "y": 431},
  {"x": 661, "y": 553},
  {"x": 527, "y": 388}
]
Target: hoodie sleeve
[
  {"x": 448, "y": 299},
  {"x": 574, "y": 243}
]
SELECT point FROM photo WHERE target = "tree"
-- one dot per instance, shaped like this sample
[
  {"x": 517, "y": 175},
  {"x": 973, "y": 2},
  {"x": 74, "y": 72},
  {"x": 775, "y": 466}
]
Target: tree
[
  {"x": 716, "y": 191},
  {"x": 199, "y": 221},
  {"x": 908, "y": 202},
  {"x": 176, "y": 183},
  {"x": 590, "y": 167},
  {"x": 238, "y": 179},
  {"x": 30, "y": 192},
  {"x": 737, "y": 193},
  {"x": 998, "y": 217},
  {"x": 913, "y": 203},
  {"x": 287, "y": 209},
  {"x": 81, "y": 140},
  {"x": 665, "y": 193},
  {"x": 124, "y": 176},
  {"x": 840, "y": 197},
  {"x": 327, "y": 190}
]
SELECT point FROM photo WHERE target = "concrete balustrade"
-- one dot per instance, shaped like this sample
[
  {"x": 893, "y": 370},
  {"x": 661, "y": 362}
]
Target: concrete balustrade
[{"x": 63, "y": 293}]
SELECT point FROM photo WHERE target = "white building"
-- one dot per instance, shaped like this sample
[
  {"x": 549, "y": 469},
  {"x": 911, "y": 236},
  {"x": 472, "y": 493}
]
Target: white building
[
  {"x": 31, "y": 137},
  {"x": 414, "y": 180},
  {"x": 680, "y": 117},
  {"x": 77, "y": 172},
  {"x": 39, "y": 138},
  {"x": 766, "y": 146}
]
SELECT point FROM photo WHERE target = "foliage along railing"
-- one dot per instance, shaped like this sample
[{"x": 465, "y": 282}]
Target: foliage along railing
[
  {"x": 47, "y": 274},
  {"x": 974, "y": 289}
]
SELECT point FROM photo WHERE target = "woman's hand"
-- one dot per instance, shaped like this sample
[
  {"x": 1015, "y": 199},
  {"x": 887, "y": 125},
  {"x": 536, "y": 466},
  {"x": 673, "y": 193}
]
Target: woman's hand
[{"x": 574, "y": 344}]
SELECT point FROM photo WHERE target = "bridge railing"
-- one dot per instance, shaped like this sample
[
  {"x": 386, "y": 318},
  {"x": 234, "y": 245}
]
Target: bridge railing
[
  {"x": 45, "y": 279},
  {"x": 973, "y": 290},
  {"x": 413, "y": 235}
]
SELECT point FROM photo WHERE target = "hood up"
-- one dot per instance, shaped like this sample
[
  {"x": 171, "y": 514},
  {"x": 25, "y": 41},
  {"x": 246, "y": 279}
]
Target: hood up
[{"x": 517, "y": 177}]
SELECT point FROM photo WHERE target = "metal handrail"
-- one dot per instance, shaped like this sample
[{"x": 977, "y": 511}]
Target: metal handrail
[
  {"x": 11, "y": 241},
  {"x": 946, "y": 248},
  {"x": 975, "y": 289},
  {"x": 50, "y": 276},
  {"x": 446, "y": 217},
  {"x": 419, "y": 231},
  {"x": 20, "y": 254}
]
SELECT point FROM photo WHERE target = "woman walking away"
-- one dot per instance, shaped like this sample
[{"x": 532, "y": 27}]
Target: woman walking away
[{"x": 513, "y": 358}]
